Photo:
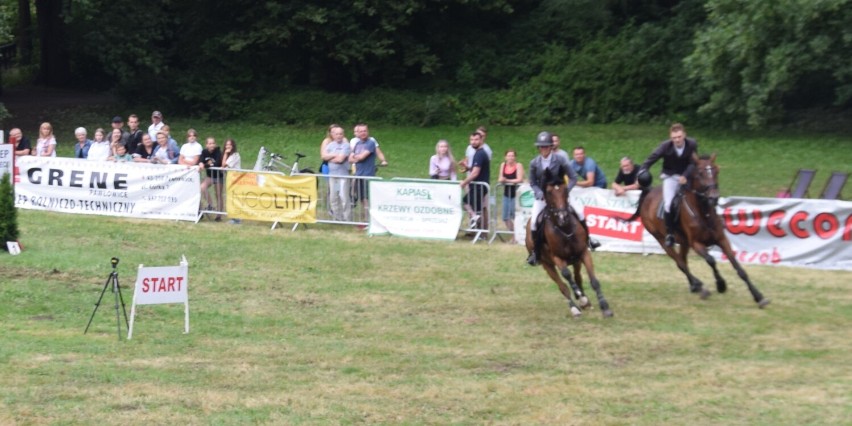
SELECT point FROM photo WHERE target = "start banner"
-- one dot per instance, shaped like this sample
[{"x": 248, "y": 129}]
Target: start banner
[
  {"x": 766, "y": 231},
  {"x": 127, "y": 189},
  {"x": 271, "y": 197},
  {"x": 415, "y": 208}
]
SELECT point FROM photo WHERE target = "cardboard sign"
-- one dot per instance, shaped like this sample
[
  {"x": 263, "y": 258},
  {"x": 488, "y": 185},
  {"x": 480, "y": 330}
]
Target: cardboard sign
[{"x": 161, "y": 285}]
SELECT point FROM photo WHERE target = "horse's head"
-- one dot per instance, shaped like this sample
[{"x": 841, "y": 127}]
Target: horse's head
[
  {"x": 705, "y": 179},
  {"x": 556, "y": 198}
]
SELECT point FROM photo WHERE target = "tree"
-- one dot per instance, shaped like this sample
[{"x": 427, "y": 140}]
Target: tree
[
  {"x": 55, "y": 63},
  {"x": 752, "y": 58}
]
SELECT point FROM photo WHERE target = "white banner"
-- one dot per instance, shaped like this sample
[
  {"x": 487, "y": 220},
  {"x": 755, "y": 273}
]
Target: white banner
[
  {"x": 127, "y": 189},
  {"x": 417, "y": 209},
  {"x": 767, "y": 231},
  {"x": 7, "y": 157}
]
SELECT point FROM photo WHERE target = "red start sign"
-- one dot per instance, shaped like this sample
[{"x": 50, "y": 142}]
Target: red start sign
[{"x": 608, "y": 223}]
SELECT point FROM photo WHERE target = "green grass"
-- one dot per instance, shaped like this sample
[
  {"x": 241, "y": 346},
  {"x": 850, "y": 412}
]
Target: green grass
[{"x": 325, "y": 325}]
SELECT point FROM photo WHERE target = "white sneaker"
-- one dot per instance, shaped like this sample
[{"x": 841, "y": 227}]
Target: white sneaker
[{"x": 474, "y": 221}]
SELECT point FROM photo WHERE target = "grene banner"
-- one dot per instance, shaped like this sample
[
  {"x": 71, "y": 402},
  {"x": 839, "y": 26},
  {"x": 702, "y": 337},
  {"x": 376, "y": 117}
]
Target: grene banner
[
  {"x": 127, "y": 189},
  {"x": 415, "y": 209}
]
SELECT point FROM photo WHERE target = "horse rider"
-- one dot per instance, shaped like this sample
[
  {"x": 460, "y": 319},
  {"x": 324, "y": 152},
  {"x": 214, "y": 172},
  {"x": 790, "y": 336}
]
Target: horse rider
[
  {"x": 559, "y": 167},
  {"x": 678, "y": 163}
]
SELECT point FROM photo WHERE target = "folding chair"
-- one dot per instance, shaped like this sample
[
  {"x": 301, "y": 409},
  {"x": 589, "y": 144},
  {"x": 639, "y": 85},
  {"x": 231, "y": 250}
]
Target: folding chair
[
  {"x": 834, "y": 186},
  {"x": 802, "y": 181}
]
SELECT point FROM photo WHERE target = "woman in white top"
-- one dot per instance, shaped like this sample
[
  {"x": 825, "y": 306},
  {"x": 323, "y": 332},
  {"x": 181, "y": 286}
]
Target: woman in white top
[
  {"x": 442, "y": 165},
  {"x": 46, "y": 145}
]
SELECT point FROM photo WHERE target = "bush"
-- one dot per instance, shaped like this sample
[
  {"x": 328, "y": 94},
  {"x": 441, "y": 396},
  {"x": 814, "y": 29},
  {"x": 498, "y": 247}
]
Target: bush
[{"x": 8, "y": 213}]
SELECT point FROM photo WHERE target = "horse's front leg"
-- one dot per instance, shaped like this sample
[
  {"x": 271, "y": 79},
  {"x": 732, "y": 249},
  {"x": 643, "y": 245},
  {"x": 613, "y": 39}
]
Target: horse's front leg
[
  {"x": 755, "y": 293},
  {"x": 695, "y": 285},
  {"x": 702, "y": 251},
  {"x": 562, "y": 266},
  {"x": 576, "y": 285},
  {"x": 596, "y": 285}
]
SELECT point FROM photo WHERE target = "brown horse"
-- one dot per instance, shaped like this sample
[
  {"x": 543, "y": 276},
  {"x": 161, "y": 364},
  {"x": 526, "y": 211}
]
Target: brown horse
[
  {"x": 565, "y": 242},
  {"x": 700, "y": 226}
]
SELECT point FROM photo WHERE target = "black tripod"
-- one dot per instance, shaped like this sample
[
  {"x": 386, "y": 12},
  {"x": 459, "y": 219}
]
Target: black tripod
[{"x": 116, "y": 290}]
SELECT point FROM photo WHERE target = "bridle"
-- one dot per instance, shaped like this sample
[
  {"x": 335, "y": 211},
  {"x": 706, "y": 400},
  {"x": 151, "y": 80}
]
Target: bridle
[{"x": 562, "y": 215}]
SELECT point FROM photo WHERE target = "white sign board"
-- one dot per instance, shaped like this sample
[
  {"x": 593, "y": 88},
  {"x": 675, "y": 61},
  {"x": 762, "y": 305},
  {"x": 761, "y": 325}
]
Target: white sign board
[
  {"x": 7, "y": 158},
  {"x": 416, "y": 209},
  {"x": 161, "y": 285}
]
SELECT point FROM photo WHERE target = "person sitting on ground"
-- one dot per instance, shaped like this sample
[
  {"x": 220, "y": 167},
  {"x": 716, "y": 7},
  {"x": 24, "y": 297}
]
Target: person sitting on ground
[
  {"x": 23, "y": 146},
  {"x": 190, "y": 152},
  {"x": 100, "y": 149},
  {"x": 442, "y": 165},
  {"x": 511, "y": 175},
  {"x": 145, "y": 150},
  {"x": 625, "y": 180},
  {"x": 46, "y": 142},
  {"x": 83, "y": 145},
  {"x": 211, "y": 157},
  {"x": 588, "y": 172},
  {"x": 121, "y": 154}
]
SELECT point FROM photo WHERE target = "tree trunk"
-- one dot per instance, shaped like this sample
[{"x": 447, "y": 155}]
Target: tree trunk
[
  {"x": 24, "y": 33},
  {"x": 55, "y": 69}
]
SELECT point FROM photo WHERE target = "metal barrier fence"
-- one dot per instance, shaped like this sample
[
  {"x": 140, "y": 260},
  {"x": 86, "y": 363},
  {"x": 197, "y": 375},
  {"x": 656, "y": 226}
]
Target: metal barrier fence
[
  {"x": 344, "y": 200},
  {"x": 504, "y": 201}
]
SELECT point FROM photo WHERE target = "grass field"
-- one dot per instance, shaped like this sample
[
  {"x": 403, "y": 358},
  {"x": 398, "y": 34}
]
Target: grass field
[{"x": 326, "y": 325}]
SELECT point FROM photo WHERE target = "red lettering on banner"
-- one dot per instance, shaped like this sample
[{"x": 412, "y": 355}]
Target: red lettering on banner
[
  {"x": 606, "y": 223},
  {"x": 795, "y": 224},
  {"x": 742, "y": 227},
  {"x": 161, "y": 284},
  {"x": 820, "y": 222},
  {"x": 773, "y": 223},
  {"x": 763, "y": 256},
  {"x": 847, "y": 229}
]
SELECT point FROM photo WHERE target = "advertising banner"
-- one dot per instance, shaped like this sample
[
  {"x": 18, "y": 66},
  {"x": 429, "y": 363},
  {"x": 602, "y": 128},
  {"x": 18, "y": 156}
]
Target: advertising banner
[
  {"x": 765, "y": 231},
  {"x": 415, "y": 209},
  {"x": 271, "y": 197},
  {"x": 7, "y": 157},
  {"x": 140, "y": 190}
]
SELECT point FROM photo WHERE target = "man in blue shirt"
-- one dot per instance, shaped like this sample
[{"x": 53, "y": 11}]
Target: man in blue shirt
[
  {"x": 363, "y": 155},
  {"x": 588, "y": 172}
]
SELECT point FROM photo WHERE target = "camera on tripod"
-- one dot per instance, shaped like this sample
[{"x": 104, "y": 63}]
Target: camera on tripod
[{"x": 114, "y": 262}]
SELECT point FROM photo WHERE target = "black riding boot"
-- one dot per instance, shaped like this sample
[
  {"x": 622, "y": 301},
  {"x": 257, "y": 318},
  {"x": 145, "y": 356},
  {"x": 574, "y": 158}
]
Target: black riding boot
[
  {"x": 593, "y": 243},
  {"x": 532, "y": 260},
  {"x": 670, "y": 225}
]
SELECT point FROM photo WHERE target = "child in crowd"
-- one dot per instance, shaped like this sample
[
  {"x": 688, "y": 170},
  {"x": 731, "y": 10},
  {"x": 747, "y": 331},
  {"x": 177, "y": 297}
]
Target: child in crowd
[{"x": 121, "y": 154}]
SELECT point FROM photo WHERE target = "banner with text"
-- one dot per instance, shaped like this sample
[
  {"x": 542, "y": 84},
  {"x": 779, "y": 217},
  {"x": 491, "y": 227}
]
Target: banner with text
[
  {"x": 7, "y": 157},
  {"x": 768, "y": 231},
  {"x": 140, "y": 190},
  {"x": 415, "y": 209},
  {"x": 271, "y": 197}
]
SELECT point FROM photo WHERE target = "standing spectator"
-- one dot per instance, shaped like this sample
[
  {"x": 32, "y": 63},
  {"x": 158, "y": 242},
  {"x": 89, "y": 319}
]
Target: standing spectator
[
  {"x": 211, "y": 157},
  {"x": 559, "y": 151},
  {"x": 466, "y": 162},
  {"x": 23, "y": 146},
  {"x": 101, "y": 149},
  {"x": 336, "y": 153},
  {"x": 165, "y": 152},
  {"x": 475, "y": 201},
  {"x": 135, "y": 134},
  {"x": 379, "y": 154},
  {"x": 625, "y": 180},
  {"x": 325, "y": 141},
  {"x": 46, "y": 143},
  {"x": 511, "y": 175},
  {"x": 364, "y": 157},
  {"x": 677, "y": 154},
  {"x": 156, "y": 124},
  {"x": 190, "y": 152},
  {"x": 588, "y": 172},
  {"x": 145, "y": 151},
  {"x": 442, "y": 165},
  {"x": 118, "y": 123},
  {"x": 231, "y": 160},
  {"x": 83, "y": 145}
]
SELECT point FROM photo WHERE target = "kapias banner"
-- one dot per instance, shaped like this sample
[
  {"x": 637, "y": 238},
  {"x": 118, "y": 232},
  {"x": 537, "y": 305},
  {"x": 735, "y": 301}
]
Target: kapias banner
[
  {"x": 126, "y": 189},
  {"x": 415, "y": 208}
]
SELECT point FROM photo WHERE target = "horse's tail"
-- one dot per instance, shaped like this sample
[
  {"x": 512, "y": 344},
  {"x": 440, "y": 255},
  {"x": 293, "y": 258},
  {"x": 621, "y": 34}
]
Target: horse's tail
[{"x": 645, "y": 191}]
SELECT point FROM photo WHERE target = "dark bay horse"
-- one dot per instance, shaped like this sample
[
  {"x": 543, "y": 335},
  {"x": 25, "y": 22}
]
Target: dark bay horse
[
  {"x": 565, "y": 243},
  {"x": 700, "y": 226}
]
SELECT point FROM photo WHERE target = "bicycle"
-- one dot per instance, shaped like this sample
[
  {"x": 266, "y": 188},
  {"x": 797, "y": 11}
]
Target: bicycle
[{"x": 273, "y": 162}]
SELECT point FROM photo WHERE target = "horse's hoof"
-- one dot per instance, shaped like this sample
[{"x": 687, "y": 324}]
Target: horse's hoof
[
  {"x": 704, "y": 294},
  {"x": 576, "y": 312},
  {"x": 585, "y": 303},
  {"x": 608, "y": 314},
  {"x": 763, "y": 302},
  {"x": 721, "y": 286}
]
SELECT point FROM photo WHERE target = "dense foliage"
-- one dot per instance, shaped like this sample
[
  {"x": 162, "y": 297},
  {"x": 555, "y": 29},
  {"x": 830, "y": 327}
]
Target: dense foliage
[
  {"x": 8, "y": 213},
  {"x": 499, "y": 61}
]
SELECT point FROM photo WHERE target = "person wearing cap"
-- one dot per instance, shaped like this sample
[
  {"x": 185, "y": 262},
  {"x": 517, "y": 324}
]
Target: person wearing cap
[
  {"x": 156, "y": 124},
  {"x": 559, "y": 167},
  {"x": 118, "y": 123}
]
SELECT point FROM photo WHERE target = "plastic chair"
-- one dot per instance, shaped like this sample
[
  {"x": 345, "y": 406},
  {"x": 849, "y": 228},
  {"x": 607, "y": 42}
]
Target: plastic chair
[
  {"x": 834, "y": 186},
  {"x": 802, "y": 181}
]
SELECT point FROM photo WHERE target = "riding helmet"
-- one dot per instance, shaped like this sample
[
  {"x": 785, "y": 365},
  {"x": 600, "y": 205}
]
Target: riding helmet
[
  {"x": 544, "y": 139},
  {"x": 644, "y": 178}
]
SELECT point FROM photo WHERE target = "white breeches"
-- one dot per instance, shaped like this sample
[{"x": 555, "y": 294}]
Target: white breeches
[
  {"x": 538, "y": 206},
  {"x": 670, "y": 187}
]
